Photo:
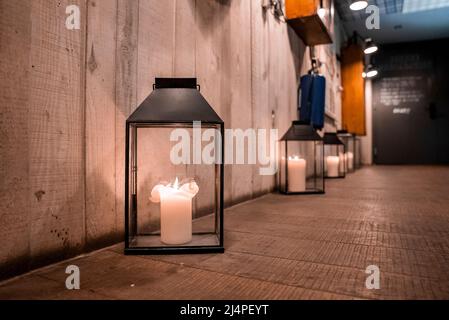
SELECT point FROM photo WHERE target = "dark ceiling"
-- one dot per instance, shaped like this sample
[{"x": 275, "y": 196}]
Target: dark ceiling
[
  {"x": 385, "y": 6},
  {"x": 400, "y": 20}
]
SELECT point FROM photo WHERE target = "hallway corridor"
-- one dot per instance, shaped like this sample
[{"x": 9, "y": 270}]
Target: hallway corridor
[{"x": 290, "y": 247}]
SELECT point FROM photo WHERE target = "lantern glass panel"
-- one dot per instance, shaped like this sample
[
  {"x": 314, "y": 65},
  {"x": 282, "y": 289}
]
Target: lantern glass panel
[
  {"x": 350, "y": 150},
  {"x": 177, "y": 219},
  {"x": 334, "y": 156}
]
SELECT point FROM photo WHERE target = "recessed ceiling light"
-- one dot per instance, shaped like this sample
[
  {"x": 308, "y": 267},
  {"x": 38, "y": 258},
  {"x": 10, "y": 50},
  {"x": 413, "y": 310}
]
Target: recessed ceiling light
[
  {"x": 370, "y": 47},
  {"x": 358, "y": 5},
  {"x": 371, "y": 73}
]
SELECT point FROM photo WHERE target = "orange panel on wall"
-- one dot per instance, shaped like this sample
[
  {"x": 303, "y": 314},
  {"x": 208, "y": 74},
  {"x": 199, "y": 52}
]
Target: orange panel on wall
[
  {"x": 300, "y": 8},
  {"x": 313, "y": 28},
  {"x": 353, "y": 98}
]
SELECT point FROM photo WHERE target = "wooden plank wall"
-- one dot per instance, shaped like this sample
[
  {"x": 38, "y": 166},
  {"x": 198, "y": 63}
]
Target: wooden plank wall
[
  {"x": 65, "y": 95},
  {"x": 42, "y": 215},
  {"x": 15, "y": 50}
]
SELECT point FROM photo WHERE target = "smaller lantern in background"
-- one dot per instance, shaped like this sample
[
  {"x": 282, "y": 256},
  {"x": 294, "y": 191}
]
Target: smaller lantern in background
[
  {"x": 334, "y": 155},
  {"x": 349, "y": 141},
  {"x": 301, "y": 165}
]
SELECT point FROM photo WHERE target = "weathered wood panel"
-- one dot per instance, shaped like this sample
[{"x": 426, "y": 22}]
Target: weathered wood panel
[
  {"x": 15, "y": 47},
  {"x": 125, "y": 93},
  {"x": 260, "y": 91},
  {"x": 56, "y": 134},
  {"x": 212, "y": 71},
  {"x": 239, "y": 91},
  {"x": 100, "y": 123},
  {"x": 184, "y": 58},
  {"x": 277, "y": 77},
  {"x": 156, "y": 44}
]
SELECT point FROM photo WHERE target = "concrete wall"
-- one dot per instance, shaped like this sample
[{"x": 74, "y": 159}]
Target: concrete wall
[{"x": 65, "y": 95}]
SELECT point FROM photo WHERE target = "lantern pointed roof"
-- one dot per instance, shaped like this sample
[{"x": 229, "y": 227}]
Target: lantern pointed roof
[
  {"x": 175, "y": 100},
  {"x": 301, "y": 131}
]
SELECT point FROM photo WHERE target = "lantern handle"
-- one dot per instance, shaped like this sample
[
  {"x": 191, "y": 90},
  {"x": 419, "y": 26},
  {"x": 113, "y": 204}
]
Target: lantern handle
[{"x": 197, "y": 86}]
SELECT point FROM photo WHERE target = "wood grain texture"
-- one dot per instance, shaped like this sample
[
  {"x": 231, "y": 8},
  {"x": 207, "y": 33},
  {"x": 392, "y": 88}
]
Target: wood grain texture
[
  {"x": 212, "y": 70},
  {"x": 239, "y": 91},
  {"x": 125, "y": 93},
  {"x": 260, "y": 86},
  {"x": 260, "y": 91},
  {"x": 277, "y": 78},
  {"x": 100, "y": 123},
  {"x": 277, "y": 62},
  {"x": 185, "y": 44},
  {"x": 156, "y": 44},
  {"x": 277, "y": 249},
  {"x": 15, "y": 50},
  {"x": 56, "y": 134}
]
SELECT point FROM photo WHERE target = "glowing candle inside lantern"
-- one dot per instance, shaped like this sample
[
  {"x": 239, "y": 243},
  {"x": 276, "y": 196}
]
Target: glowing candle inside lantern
[
  {"x": 296, "y": 174},
  {"x": 176, "y": 211},
  {"x": 349, "y": 156},
  {"x": 332, "y": 163}
]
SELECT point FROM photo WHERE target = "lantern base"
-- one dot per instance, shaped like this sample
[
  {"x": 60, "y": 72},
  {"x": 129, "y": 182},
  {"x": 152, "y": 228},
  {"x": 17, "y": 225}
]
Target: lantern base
[
  {"x": 151, "y": 244},
  {"x": 303, "y": 192},
  {"x": 173, "y": 250}
]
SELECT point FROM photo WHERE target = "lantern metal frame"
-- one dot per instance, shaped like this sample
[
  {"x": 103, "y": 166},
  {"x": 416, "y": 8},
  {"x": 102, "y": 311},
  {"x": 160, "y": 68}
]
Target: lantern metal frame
[
  {"x": 349, "y": 141},
  {"x": 302, "y": 132},
  {"x": 174, "y": 102},
  {"x": 331, "y": 140}
]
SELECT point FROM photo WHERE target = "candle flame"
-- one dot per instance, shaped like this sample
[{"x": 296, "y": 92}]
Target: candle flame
[{"x": 176, "y": 184}]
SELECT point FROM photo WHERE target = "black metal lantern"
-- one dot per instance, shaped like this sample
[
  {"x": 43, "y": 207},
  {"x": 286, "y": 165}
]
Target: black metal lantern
[
  {"x": 349, "y": 142},
  {"x": 301, "y": 161},
  {"x": 173, "y": 196},
  {"x": 334, "y": 156}
]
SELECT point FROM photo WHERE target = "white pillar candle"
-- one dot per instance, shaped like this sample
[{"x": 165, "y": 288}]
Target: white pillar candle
[
  {"x": 349, "y": 156},
  {"x": 332, "y": 163},
  {"x": 296, "y": 174},
  {"x": 176, "y": 211}
]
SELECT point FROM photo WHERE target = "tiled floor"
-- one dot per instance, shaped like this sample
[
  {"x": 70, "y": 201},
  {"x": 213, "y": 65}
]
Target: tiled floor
[{"x": 291, "y": 247}]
